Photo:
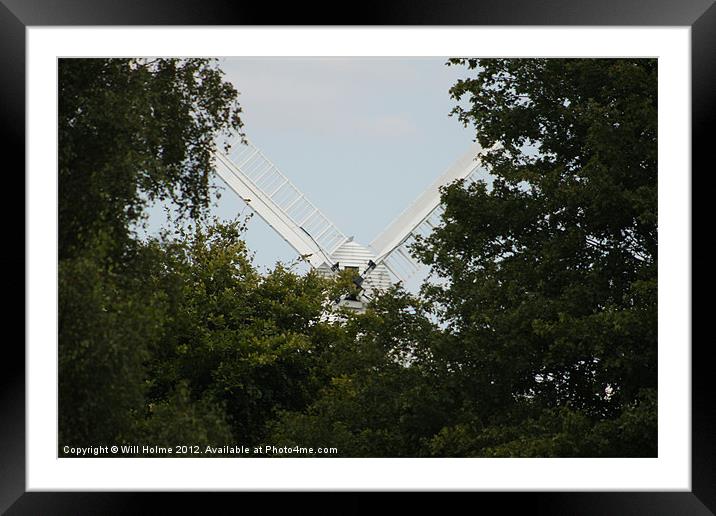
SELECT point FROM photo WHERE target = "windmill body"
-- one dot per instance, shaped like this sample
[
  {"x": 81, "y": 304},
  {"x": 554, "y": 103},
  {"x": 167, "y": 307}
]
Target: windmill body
[{"x": 386, "y": 261}]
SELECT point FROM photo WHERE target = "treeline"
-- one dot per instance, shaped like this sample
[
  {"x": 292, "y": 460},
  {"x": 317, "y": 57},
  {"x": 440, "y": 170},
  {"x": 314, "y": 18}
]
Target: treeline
[{"x": 541, "y": 340}]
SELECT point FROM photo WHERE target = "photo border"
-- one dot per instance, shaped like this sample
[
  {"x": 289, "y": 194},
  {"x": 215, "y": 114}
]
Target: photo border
[{"x": 17, "y": 15}]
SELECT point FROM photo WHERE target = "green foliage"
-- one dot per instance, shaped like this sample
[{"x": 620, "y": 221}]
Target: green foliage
[
  {"x": 189, "y": 343},
  {"x": 552, "y": 271},
  {"x": 380, "y": 401},
  {"x": 539, "y": 341},
  {"x": 181, "y": 420},
  {"x": 105, "y": 326},
  {"x": 132, "y": 131},
  {"x": 240, "y": 337},
  {"x": 556, "y": 432}
]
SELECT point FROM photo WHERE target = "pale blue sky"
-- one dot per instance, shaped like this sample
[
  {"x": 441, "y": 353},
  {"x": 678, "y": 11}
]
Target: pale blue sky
[{"x": 361, "y": 137}]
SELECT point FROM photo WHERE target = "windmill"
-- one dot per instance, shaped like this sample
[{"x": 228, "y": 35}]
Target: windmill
[{"x": 376, "y": 266}]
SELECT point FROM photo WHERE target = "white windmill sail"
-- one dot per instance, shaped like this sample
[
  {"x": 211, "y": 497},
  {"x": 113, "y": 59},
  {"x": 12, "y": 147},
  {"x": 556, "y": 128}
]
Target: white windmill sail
[
  {"x": 391, "y": 246},
  {"x": 247, "y": 171}
]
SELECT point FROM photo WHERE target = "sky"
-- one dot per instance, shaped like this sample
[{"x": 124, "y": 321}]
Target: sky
[{"x": 360, "y": 137}]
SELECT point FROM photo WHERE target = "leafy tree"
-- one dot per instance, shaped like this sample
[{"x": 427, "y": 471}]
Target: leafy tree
[
  {"x": 551, "y": 291},
  {"x": 176, "y": 337},
  {"x": 541, "y": 338},
  {"x": 189, "y": 342},
  {"x": 250, "y": 341},
  {"x": 182, "y": 420},
  {"x": 105, "y": 322},
  {"x": 380, "y": 400},
  {"x": 132, "y": 131}
]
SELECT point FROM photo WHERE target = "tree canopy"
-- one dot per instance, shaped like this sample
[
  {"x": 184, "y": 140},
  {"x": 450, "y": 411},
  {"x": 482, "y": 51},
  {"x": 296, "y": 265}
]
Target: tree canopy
[
  {"x": 133, "y": 131},
  {"x": 552, "y": 290},
  {"x": 539, "y": 339}
]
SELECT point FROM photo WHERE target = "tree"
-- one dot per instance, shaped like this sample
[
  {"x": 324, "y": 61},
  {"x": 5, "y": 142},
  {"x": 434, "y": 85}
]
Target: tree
[
  {"x": 189, "y": 342},
  {"x": 380, "y": 399},
  {"x": 251, "y": 342},
  {"x": 132, "y": 131},
  {"x": 540, "y": 339},
  {"x": 552, "y": 272},
  {"x": 105, "y": 324}
]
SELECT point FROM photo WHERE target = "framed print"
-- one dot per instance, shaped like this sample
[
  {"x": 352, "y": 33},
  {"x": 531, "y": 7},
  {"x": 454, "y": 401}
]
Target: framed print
[{"x": 172, "y": 343}]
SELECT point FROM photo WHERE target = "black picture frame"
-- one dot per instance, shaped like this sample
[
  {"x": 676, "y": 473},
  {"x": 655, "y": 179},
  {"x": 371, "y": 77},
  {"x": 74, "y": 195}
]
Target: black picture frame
[{"x": 17, "y": 15}]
